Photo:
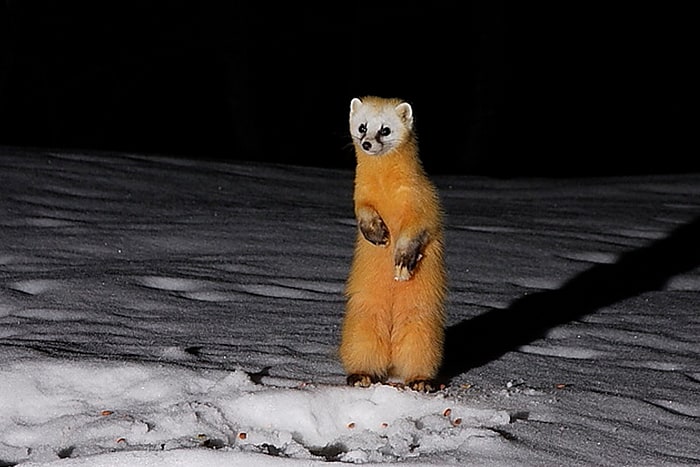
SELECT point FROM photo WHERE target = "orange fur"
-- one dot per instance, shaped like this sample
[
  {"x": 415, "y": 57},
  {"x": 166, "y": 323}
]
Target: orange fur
[{"x": 395, "y": 327}]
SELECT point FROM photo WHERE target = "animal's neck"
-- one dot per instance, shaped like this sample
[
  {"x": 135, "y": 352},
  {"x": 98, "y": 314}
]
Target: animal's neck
[{"x": 403, "y": 158}]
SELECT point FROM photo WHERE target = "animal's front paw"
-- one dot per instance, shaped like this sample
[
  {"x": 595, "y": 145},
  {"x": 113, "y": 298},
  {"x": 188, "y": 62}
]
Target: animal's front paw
[
  {"x": 362, "y": 380},
  {"x": 403, "y": 271},
  {"x": 408, "y": 254},
  {"x": 374, "y": 230}
]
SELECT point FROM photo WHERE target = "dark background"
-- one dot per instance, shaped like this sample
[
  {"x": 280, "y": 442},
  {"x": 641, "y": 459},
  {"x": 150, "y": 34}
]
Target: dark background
[{"x": 556, "y": 89}]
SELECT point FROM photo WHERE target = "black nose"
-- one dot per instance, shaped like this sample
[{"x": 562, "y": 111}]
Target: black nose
[{"x": 366, "y": 145}]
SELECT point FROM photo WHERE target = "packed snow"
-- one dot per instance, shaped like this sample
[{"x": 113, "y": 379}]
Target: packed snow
[{"x": 171, "y": 312}]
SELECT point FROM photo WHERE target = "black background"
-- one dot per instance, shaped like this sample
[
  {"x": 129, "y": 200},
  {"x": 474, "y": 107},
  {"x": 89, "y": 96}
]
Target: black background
[{"x": 557, "y": 89}]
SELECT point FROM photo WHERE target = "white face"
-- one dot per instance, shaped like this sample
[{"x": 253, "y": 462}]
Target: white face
[{"x": 377, "y": 127}]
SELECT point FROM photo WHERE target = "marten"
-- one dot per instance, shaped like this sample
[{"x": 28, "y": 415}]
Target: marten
[{"x": 394, "y": 322}]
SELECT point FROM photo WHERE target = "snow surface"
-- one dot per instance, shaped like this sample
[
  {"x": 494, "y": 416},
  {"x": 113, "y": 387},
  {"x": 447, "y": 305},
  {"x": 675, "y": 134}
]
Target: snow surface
[{"x": 172, "y": 312}]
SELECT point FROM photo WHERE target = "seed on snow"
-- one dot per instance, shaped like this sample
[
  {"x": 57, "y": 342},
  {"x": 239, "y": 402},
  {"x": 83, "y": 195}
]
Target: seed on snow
[
  {"x": 457, "y": 421},
  {"x": 447, "y": 412},
  {"x": 242, "y": 435},
  {"x": 351, "y": 425}
]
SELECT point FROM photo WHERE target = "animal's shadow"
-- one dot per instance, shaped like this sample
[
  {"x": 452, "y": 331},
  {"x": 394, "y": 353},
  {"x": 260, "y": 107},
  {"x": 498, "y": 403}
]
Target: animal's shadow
[{"x": 477, "y": 341}]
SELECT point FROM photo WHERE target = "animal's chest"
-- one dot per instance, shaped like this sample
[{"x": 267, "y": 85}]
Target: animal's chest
[{"x": 391, "y": 198}]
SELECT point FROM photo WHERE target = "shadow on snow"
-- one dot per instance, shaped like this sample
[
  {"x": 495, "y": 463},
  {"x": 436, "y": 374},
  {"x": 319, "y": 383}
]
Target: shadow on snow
[{"x": 479, "y": 340}]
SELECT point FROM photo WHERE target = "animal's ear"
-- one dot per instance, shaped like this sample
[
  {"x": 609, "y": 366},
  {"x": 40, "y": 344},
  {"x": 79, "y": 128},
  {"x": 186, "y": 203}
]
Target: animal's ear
[
  {"x": 405, "y": 113},
  {"x": 355, "y": 104}
]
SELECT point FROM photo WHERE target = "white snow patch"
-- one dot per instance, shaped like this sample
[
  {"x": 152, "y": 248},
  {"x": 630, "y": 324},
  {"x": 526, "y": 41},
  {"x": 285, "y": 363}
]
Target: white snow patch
[
  {"x": 35, "y": 286},
  {"x": 90, "y": 407},
  {"x": 578, "y": 353}
]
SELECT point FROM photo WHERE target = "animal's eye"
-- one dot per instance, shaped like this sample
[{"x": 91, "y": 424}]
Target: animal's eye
[
  {"x": 362, "y": 129},
  {"x": 385, "y": 131}
]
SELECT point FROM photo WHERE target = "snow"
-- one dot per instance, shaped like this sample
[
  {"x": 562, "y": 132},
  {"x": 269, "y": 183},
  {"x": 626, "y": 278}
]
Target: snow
[{"x": 161, "y": 312}]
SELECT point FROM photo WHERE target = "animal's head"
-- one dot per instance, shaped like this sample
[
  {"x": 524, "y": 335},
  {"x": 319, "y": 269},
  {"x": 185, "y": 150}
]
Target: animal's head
[{"x": 378, "y": 125}]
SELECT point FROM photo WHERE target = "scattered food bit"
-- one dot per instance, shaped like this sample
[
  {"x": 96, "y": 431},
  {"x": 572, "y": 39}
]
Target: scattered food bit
[
  {"x": 447, "y": 412},
  {"x": 201, "y": 436},
  {"x": 560, "y": 386},
  {"x": 242, "y": 435},
  {"x": 106, "y": 413},
  {"x": 351, "y": 425},
  {"x": 466, "y": 386},
  {"x": 457, "y": 421},
  {"x": 121, "y": 440},
  {"x": 385, "y": 425}
]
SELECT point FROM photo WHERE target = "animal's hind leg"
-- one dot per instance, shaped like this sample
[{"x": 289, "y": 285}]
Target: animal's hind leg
[
  {"x": 365, "y": 348},
  {"x": 417, "y": 353},
  {"x": 417, "y": 338}
]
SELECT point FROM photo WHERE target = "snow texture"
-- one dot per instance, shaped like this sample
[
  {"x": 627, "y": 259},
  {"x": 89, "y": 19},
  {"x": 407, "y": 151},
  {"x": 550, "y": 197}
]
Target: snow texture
[{"x": 172, "y": 312}]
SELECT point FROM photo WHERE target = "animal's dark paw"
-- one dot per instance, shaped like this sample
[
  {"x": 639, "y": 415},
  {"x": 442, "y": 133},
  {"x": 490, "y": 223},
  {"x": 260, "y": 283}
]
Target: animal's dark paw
[
  {"x": 374, "y": 230},
  {"x": 407, "y": 256},
  {"x": 362, "y": 380},
  {"x": 424, "y": 385}
]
